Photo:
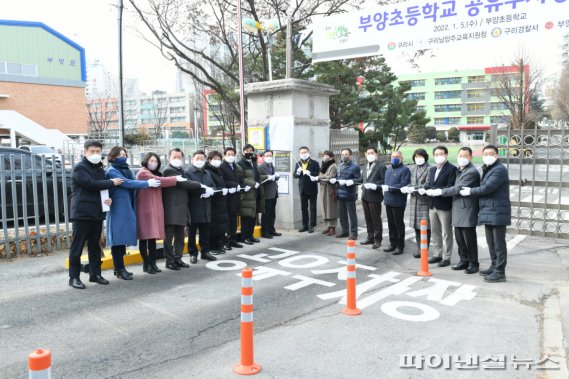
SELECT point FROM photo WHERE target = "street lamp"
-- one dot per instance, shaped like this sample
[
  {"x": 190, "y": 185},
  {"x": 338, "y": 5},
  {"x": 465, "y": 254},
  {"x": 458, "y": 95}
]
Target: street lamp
[{"x": 268, "y": 28}]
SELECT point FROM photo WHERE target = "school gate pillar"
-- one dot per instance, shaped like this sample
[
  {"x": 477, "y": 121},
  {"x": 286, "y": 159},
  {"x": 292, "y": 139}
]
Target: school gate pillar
[{"x": 294, "y": 113}]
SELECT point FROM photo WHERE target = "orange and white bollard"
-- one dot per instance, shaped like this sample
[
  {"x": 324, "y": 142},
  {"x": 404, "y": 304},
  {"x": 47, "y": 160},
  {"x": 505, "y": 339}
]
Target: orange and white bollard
[
  {"x": 247, "y": 366},
  {"x": 350, "y": 309},
  {"x": 424, "y": 251},
  {"x": 39, "y": 364}
]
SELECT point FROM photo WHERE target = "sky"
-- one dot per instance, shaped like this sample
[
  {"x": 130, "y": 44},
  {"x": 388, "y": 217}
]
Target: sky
[{"x": 93, "y": 25}]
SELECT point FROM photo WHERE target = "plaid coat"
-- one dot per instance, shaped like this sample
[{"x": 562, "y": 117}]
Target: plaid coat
[{"x": 419, "y": 204}]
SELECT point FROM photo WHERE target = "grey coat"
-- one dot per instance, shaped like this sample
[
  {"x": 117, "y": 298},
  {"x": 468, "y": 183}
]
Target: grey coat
[
  {"x": 377, "y": 177},
  {"x": 464, "y": 208},
  {"x": 176, "y": 199},
  {"x": 328, "y": 193},
  {"x": 419, "y": 204},
  {"x": 271, "y": 187}
]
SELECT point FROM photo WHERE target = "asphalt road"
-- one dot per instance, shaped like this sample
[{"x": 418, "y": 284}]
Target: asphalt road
[{"x": 186, "y": 323}]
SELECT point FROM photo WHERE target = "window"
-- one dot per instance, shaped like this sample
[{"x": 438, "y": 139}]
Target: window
[
  {"x": 472, "y": 93},
  {"x": 177, "y": 119},
  {"x": 14, "y": 68},
  {"x": 477, "y": 79},
  {"x": 447, "y": 121},
  {"x": 448, "y": 108},
  {"x": 416, "y": 96},
  {"x": 499, "y": 119},
  {"x": 475, "y": 120},
  {"x": 177, "y": 109},
  {"x": 420, "y": 108},
  {"x": 443, "y": 81},
  {"x": 2, "y": 67},
  {"x": 475, "y": 107},
  {"x": 18, "y": 69},
  {"x": 29, "y": 70},
  {"x": 497, "y": 106},
  {"x": 177, "y": 99},
  {"x": 448, "y": 95}
]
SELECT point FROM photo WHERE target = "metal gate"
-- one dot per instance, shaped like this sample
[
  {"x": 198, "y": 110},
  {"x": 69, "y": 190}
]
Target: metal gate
[
  {"x": 538, "y": 166},
  {"x": 345, "y": 138}
]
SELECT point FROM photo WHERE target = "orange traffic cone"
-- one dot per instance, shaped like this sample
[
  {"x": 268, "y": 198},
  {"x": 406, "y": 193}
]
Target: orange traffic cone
[
  {"x": 39, "y": 364},
  {"x": 351, "y": 309},
  {"x": 424, "y": 251},
  {"x": 247, "y": 366}
]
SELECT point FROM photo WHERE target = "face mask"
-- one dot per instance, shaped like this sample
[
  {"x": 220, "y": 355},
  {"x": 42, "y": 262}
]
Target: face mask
[
  {"x": 371, "y": 158},
  {"x": 152, "y": 166},
  {"x": 345, "y": 159},
  {"x": 121, "y": 160},
  {"x": 198, "y": 164},
  {"x": 269, "y": 160},
  {"x": 419, "y": 161},
  {"x": 304, "y": 156},
  {"x": 489, "y": 160},
  {"x": 462, "y": 162},
  {"x": 230, "y": 159},
  {"x": 395, "y": 161},
  {"x": 216, "y": 163},
  {"x": 325, "y": 159},
  {"x": 248, "y": 155},
  {"x": 176, "y": 163},
  {"x": 439, "y": 159},
  {"x": 95, "y": 158}
]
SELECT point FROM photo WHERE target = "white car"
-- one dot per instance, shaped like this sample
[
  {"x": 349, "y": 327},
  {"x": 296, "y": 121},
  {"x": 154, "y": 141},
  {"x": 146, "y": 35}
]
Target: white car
[{"x": 44, "y": 150}]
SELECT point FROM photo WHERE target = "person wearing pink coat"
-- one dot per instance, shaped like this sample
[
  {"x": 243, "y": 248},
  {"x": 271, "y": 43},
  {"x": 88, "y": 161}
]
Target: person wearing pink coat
[{"x": 150, "y": 211}]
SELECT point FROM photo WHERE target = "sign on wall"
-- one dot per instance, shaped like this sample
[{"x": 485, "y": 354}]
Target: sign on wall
[{"x": 422, "y": 24}]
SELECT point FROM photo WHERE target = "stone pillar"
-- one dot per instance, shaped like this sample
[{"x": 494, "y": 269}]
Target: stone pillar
[{"x": 297, "y": 114}]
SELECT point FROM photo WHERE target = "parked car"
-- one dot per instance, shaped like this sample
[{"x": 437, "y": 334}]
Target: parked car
[
  {"x": 19, "y": 175},
  {"x": 44, "y": 150}
]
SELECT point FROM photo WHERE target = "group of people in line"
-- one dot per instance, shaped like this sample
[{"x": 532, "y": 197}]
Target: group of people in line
[
  {"x": 443, "y": 194},
  {"x": 214, "y": 191},
  {"x": 207, "y": 197}
]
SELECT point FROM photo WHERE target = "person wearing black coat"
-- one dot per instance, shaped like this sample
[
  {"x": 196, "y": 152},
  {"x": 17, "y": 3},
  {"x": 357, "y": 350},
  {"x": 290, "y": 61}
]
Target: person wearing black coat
[
  {"x": 219, "y": 216},
  {"x": 271, "y": 195},
  {"x": 231, "y": 173},
  {"x": 349, "y": 176},
  {"x": 307, "y": 171},
  {"x": 88, "y": 180},
  {"x": 372, "y": 197},
  {"x": 441, "y": 176},
  {"x": 200, "y": 208},
  {"x": 176, "y": 211},
  {"x": 495, "y": 211}
]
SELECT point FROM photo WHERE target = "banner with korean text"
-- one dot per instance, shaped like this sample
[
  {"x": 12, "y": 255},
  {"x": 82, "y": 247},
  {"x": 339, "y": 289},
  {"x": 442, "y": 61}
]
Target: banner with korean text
[{"x": 419, "y": 24}]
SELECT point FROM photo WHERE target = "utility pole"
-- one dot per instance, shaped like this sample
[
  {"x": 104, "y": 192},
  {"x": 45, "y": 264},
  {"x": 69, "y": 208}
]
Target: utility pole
[{"x": 121, "y": 95}]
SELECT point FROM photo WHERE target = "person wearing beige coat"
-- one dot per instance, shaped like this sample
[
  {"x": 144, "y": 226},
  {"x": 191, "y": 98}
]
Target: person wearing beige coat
[{"x": 329, "y": 170}]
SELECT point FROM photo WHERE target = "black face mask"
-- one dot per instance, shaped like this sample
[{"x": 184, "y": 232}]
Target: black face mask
[
  {"x": 248, "y": 155},
  {"x": 345, "y": 159}
]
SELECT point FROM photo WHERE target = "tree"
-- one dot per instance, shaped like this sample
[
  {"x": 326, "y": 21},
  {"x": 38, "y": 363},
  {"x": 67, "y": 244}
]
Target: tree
[
  {"x": 417, "y": 134},
  {"x": 379, "y": 102},
  {"x": 515, "y": 86},
  {"x": 159, "y": 114},
  {"x": 441, "y": 136},
  {"x": 561, "y": 99},
  {"x": 137, "y": 137},
  {"x": 454, "y": 134},
  {"x": 431, "y": 132},
  {"x": 199, "y": 37}
]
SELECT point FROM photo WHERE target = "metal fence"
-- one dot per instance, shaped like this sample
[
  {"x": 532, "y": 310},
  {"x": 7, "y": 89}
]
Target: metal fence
[
  {"x": 538, "y": 166},
  {"x": 345, "y": 138},
  {"x": 34, "y": 194}
]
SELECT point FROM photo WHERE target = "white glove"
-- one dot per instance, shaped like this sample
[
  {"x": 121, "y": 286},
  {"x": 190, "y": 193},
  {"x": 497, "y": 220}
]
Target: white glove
[
  {"x": 203, "y": 186},
  {"x": 232, "y": 190},
  {"x": 209, "y": 191},
  {"x": 205, "y": 195},
  {"x": 238, "y": 187},
  {"x": 180, "y": 178},
  {"x": 153, "y": 183},
  {"x": 333, "y": 180},
  {"x": 342, "y": 182},
  {"x": 306, "y": 172},
  {"x": 257, "y": 185},
  {"x": 349, "y": 182},
  {"x": 404, "y": 190},
  {"x": 224, "y": 191},
  {"x": 465, "y": 191},
  {"x": 435, "y": 192},
  {"x": 299, "y": 171},
  {"x": 384, "y": 187},
  {"x": 314, "y": 178},
  {"x": 422, "y": 191},
  {"x": 272, "y": 177},
  {"x": 410, "y": 189},
  {"x": 247, "y": 188},
  {"x": 372, "y": 186}
]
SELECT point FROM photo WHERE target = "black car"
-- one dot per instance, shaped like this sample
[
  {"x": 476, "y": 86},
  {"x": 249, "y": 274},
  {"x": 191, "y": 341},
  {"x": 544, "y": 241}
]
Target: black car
[{"x": 20, "y": 172}]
